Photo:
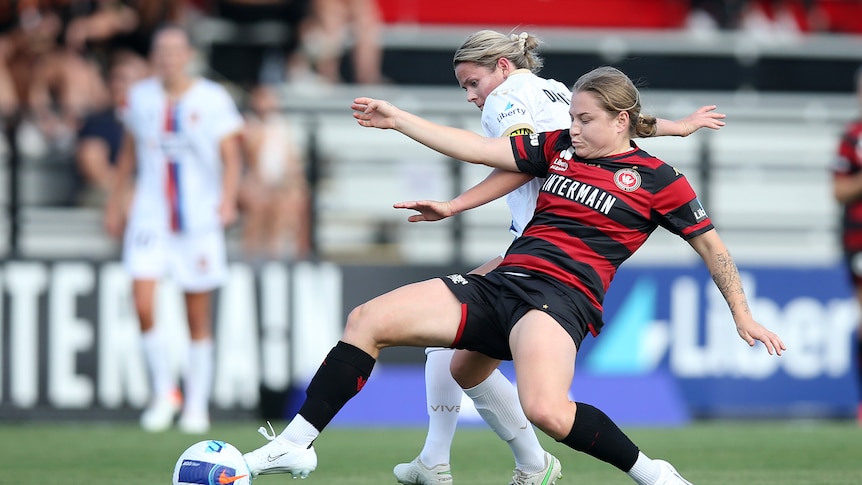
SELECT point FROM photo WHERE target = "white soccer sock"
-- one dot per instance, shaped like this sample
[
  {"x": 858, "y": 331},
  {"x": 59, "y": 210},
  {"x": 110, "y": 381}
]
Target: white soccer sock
[
  {"x": 645, "y": 471},
  {"x": 497, "y": 402},
  {"x": 443, "y": 396},
  {"x": 154, "y": 356},
  {"x": 198, "y": 375},
  {"x": 300, "y": 432}
]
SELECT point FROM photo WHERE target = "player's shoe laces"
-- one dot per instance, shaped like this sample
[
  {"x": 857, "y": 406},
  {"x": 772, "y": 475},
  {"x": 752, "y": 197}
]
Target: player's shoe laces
[
  {"x": 416, "y": 473},
  {"x": 669, "y": 475},
  {"x": 159, "y": 415},
  {"x": 280, "y": 456},
  {"x": 553, "y": 471}
]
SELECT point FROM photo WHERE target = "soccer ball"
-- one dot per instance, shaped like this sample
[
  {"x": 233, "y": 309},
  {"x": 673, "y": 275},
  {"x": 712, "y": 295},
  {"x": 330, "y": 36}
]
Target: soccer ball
[{"x": 211, "y": 462}]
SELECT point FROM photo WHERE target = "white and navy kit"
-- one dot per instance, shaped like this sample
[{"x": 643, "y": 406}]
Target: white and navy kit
[
  {"x": 174, "y": 225},
  {"x": 525, "y": 103}
]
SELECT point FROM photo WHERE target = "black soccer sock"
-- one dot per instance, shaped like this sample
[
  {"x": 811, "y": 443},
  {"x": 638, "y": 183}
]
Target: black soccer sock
[
  {"x": 596, "y": 435},
  {"x": 340, "y": 377}
]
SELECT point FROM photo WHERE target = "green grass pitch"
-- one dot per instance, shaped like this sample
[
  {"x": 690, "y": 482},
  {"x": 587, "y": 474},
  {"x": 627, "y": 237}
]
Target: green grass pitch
[{"x": 710, "y": 453}]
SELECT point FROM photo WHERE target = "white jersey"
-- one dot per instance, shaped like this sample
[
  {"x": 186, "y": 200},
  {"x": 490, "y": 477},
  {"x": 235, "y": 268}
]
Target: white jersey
[
  {"x": 179, "y": 166},
  {"x": 525, "y": 102}
]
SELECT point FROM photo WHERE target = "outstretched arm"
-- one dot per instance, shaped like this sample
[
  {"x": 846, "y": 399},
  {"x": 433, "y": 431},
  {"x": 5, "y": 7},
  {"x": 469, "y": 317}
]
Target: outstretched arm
[
  {"x": 704, "y": 117},
  {"x": 453, "y": 142},
  {"x": 495, "y": 185},
  {"x": 726, "y": 277}
]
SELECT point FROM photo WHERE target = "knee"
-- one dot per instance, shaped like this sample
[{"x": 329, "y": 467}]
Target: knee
[
  {"x": 555, "y": 421},
  {"x": 360, "y": 322}
]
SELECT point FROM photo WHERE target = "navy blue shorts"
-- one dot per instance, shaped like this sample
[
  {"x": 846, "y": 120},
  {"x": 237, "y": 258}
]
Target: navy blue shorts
[{"x": 492, "y": 304}]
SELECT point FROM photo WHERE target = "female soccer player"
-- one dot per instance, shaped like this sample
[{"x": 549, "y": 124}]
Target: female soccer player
[
  {"x": 498, "y": 73},
  {"x": 181, "y": 143},
  {"x": 601, "y": 199}
]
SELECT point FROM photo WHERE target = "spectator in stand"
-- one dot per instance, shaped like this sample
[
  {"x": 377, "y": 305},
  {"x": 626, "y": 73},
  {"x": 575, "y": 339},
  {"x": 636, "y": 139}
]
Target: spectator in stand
[
  {"x": 55, "y": 86},
  {"x": 102, "y": 132},
  {"x": 847, "y": 171},
  {"x": 247, "y": 66},
  {"x": 325, "y": 39},
  {"x": 274, "y": 195},
  {"x": 123, "y": 25}
]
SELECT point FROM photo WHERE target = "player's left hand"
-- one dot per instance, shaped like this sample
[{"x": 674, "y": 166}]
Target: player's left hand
[
  {"x": 429, "y": 210},
  {"x": 704, "y": 117},
  {"x": 751, "y": 331}
]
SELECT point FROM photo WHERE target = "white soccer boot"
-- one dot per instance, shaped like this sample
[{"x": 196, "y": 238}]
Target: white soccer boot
[
  {"x": 159, "y": 415},
  {"x": 551, "y": 473},
  {"x": 194, "y": 422},
  {"x": 416, "y": 473},
  {"x": 669, "y": 475},
  {"x": 280, "y": 456}
]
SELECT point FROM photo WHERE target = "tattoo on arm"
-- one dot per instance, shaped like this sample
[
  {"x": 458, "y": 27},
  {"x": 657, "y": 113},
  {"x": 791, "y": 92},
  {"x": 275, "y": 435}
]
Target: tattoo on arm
[{"x": 726, "y": 278}]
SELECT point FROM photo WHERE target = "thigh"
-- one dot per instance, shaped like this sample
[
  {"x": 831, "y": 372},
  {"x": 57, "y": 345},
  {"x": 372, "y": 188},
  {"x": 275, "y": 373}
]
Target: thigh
[
  {"x": 544, "y": 357},
  {"x": 145, "y": 254},
  {"x": 424, "y": 314},
  {"x": 199, "y": 261}
]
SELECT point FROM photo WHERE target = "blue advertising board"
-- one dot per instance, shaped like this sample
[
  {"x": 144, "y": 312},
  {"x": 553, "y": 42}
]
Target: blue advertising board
[{"x": 669, "y": 352}]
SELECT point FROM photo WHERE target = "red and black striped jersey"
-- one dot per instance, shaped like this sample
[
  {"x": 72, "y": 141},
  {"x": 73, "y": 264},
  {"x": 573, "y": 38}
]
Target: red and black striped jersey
[
  {"x": 592, "y": 215},
  {"x": 849, "y": 162}
]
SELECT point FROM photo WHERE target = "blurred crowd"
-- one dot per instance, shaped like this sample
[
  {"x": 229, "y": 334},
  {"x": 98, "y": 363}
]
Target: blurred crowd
[
  {"x": 65, "y": 66},
  {"x": 764, "y": 20}
]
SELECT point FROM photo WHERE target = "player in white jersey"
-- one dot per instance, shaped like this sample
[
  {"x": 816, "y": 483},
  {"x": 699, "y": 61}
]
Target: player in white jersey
[
  {"x": 498, "y": 73},
  {"x": 181, "y": 142}
]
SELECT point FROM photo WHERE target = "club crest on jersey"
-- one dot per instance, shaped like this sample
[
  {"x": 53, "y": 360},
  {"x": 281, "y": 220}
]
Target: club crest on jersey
[{"x": 627, "y": 179}]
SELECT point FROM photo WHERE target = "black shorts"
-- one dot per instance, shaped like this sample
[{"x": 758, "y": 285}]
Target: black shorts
[{"x": 492, "y": 304}]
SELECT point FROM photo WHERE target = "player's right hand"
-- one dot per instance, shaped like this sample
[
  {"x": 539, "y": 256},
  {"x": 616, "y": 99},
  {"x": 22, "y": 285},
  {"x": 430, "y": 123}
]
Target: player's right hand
[
  {"x": 429, "y": 210},
  {"x": 374, "y": 113},
  {"x": 113, "y": 220}
]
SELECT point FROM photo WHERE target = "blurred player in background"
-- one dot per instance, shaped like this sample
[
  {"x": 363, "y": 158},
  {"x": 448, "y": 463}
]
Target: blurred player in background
[
  {"x": 498, "y": 73},
  {"x": 181, "y": 135},
  {"x": 847, "y": 171}
]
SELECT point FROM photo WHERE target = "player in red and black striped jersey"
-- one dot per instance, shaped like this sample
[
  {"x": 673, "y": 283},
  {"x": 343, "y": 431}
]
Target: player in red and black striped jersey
[
  {"x": 601, "y": 199},
  {"x": 847, "y": 184},
  {"x": 591, "y": 216}
]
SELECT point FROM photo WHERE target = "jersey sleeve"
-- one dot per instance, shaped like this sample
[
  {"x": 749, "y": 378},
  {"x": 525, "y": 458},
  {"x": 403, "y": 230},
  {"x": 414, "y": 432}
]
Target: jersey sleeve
[
  {"x": 677, "y": 208},
  {"x": 506, "y": 114},
  {"x": 533, "y": 152},
  {"x": 226, "y": 116},
  {"x": 846, "y": 160}
]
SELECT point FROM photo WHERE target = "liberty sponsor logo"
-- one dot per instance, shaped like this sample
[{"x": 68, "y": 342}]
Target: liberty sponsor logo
[
  {"x": 698, "y": 210},
  {"x": 510, "y": 110},
  {"x": 627, "y": 179},
  {"x": 559, "y": 164},
  {"x": 580, "y": 192}
]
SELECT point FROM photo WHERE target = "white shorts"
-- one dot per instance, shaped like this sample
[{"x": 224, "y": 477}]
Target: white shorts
[{"x": 195, "y": 262}]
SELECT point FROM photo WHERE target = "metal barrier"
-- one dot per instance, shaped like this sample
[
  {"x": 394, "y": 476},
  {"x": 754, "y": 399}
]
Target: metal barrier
[{"x": 764, "y": 179}]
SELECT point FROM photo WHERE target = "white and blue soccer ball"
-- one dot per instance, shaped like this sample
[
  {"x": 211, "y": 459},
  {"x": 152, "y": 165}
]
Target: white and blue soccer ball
[{"x": 211, "y": 462}]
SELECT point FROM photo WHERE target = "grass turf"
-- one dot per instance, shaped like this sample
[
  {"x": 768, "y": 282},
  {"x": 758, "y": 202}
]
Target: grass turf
[{"x": 713, "y": 453}]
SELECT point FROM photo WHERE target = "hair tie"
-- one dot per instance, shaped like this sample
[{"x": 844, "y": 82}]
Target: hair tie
[{"x": 522, "y": 40}]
